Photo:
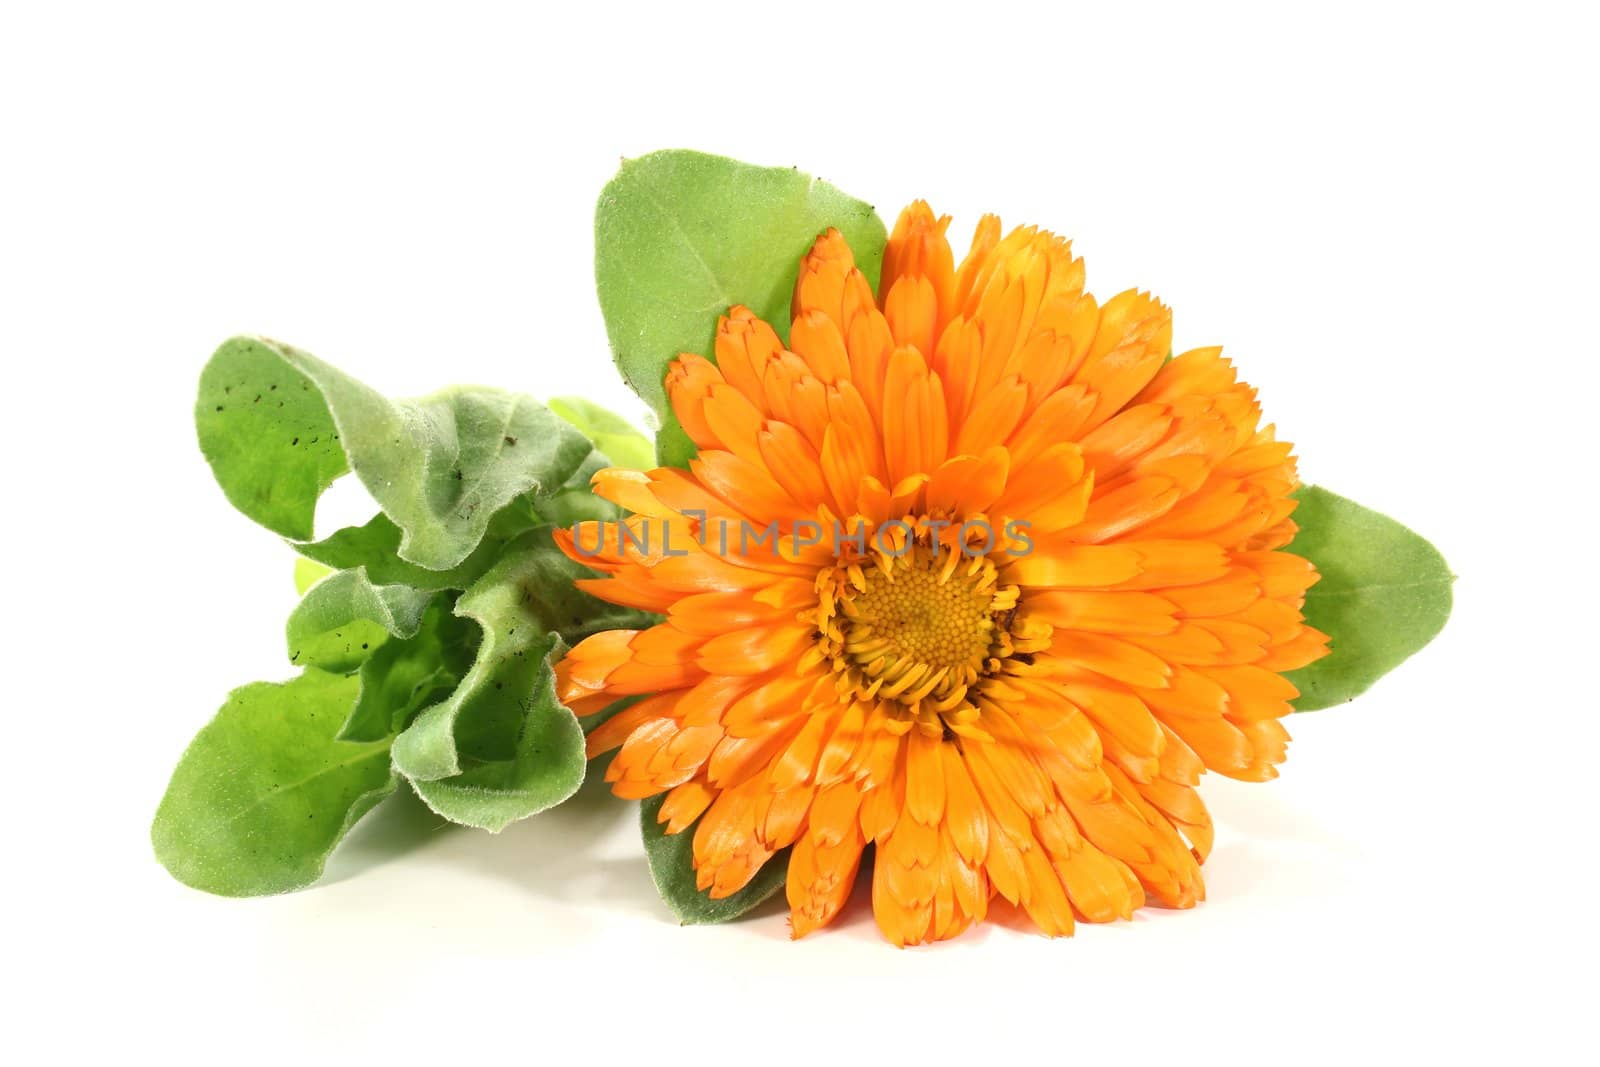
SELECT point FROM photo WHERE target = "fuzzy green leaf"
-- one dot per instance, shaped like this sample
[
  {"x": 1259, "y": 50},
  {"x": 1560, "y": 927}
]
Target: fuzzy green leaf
[
  {"x": 307, "y": 573},
  {"x": 344, "y": 616},
  {"x": 517, "y": 765},
  {"x": 278, "y": 426},
  {"x": 265, "y": 428},
  {"x": 671, "y": 859},
  {"x": 681, "y": 236},
  {"x": 375, "y": 546},
  {"x": 611, "y": 433},
  {"x": 404, "y": 676},
  {"x": 501, "y": 747},
  {"x": 1384, "y": 594},
  {"x": 576, "y": 501},
  {"x": 265, "y": 792},
  {"x": 673, "y": 446}
]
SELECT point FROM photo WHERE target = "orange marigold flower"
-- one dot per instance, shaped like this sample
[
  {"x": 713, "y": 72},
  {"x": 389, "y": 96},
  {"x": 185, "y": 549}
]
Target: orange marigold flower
[{"x": 1059, "y": 596}]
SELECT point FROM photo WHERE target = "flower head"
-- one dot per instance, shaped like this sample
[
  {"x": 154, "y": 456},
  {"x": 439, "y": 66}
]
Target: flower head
[{"x": 971, "y": 573}]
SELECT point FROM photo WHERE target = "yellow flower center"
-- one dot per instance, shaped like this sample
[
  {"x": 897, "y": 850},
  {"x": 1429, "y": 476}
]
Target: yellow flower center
[
  {"x": 920, "y": 618},
  {"x": 918, "y": 632}
]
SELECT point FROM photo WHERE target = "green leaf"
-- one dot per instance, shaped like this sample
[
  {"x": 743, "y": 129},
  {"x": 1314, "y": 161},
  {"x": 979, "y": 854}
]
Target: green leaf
[
  {"x": 518, "y": 765},
  {"x": 375, "y": 546},
  {"x": 307, "y": 573},
  {"x": 673, "y": 446},
  {"x": 576, "y": 501},
  {"x": 611, "y": 433},
  {"x": 681, "y": 236},
  {"x": 344, "y": 616},
  {"x": 501, "y": 747},
  {"x": 264, "y": 792},
  {"x": 266, "y": 430},
  {"x": 278, "y": 426},
  {"x": 404, "y": 676},
  {"x": 671, "y": 859},
  {"x": 1384, "y": 594}
]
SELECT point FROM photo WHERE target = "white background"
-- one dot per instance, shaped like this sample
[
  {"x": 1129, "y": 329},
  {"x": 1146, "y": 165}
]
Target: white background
[{"x": 1387, "y": 214}]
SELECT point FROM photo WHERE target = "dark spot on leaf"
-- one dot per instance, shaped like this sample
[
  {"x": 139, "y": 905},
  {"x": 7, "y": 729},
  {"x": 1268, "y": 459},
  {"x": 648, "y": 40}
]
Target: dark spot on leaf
[
  {"x": 294, "y": 442},
  {"x": 457, "y": 474},
  {"x": 511, "y": 440},
  {"x": 219, "y": 407}
]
